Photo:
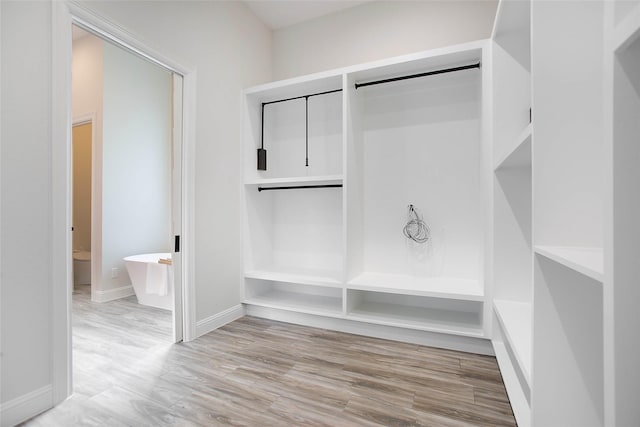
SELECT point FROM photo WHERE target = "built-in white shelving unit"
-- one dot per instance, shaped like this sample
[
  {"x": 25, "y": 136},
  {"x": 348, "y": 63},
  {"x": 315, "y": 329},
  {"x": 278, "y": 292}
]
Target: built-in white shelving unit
[
  {"x": 413, "y": 312},
  {"x": 339, "y": 252},
  {"x": 568, "y": 213},
  {"x": 526, "y": 171}
]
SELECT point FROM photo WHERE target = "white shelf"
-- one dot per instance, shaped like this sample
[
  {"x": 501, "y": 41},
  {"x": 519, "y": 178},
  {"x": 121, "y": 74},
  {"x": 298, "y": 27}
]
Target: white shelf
[
  {"x": 516, "y": 322},
  {"x": 298, "y": 302},
  {"x": 423, "y": 319},
  {"x": 297, "y": 180},
  {"x": 301, "y": 276},
  {"x": 518, "y": 154},
  {"x": 585, "y": 260},
  {"x": 436, "y": 287},
  {"x": 517, "y": 397}
]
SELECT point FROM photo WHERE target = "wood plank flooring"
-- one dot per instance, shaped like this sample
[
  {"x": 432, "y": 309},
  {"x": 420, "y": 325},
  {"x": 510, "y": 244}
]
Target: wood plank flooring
[{"x": 256, "y": 372}]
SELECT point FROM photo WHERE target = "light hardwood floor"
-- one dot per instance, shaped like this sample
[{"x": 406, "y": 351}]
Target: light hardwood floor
[{"x": 256, "y": 372}]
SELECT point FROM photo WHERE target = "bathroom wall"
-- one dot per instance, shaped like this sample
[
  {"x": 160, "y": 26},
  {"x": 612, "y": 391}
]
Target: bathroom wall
[
  {"x": 377, "y": 30},
  {"x": 136, "y": 162},
  {"x": 81, "y": 152}
]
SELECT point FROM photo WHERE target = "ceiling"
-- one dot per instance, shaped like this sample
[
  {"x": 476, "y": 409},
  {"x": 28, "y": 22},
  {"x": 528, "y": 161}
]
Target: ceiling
[{"x": 278, "y": 14}]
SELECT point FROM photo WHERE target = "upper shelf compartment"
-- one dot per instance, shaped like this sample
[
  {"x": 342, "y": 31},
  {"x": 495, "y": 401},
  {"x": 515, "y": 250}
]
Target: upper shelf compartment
[{"x": 293, "y": 129}]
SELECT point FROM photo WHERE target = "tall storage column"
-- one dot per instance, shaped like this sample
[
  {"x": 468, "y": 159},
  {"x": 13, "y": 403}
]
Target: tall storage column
[{"x": 567, "y": 102}]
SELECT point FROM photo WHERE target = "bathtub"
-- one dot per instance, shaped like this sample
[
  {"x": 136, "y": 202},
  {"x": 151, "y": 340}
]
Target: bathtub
[{"x": 152, "y": 282}]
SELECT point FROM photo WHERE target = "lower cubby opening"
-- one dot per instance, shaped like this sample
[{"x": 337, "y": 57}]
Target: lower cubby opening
[
  {"x": 325, "y": 301},
  {"x": 416, "y": 312},
  {"x": 568, "y": 355},
  {"x": 513, "y": 377}
]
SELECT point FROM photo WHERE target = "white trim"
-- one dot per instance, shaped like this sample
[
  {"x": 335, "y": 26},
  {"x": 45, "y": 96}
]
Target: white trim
[
  {"x": 26, "y": 406},
  {"x": 188, "y": 238},
  {"x": 216, "y": 321},
  {"x": 112, "y": 294},
  {"x": 60, "y": 237}
]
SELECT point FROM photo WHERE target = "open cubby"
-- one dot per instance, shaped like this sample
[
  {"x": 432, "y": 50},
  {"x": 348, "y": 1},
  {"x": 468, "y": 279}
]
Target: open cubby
[
  {"x": 416, "y": 312},
  {"x": 568, "y": 355},
  {"x": 284, "y": 134},
  {"x": 321, "y": 300}
]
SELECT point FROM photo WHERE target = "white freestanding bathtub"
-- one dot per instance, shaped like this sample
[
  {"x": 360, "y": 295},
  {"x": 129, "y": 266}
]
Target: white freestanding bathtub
[{"x": 152, "y": 282}]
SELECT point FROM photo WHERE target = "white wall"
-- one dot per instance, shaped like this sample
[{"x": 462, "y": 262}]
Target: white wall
[
  {"x": 25, "y": 226},
  {"x": 136, "y": 161},
  {"x": 378, "y": 30},
  {"x": 229, "y": 48}
]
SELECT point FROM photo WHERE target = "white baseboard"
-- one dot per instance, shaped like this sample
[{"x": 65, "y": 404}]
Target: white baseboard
[
  {"x": 26, "y": 406},
  {"x": 112, "y": 294},
  {"x": 431, "y": 339},
  {"x": 216, "y": 321}
]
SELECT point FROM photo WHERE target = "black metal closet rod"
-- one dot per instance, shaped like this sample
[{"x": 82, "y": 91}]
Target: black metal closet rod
[
  {"x": 413, "y": 76},
  {"x": 301, "y": 97},
  {"x": 300, "y": 186}
]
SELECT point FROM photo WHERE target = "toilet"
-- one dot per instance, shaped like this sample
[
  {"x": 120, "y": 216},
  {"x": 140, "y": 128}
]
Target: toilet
[{"x": 81, "y": 267}]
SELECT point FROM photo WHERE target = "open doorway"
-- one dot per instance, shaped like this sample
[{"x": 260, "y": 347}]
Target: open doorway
[{"x": 130, "y": 109}]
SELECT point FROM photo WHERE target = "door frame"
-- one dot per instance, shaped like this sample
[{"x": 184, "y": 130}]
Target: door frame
[{"x": 64, "y": 14}]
